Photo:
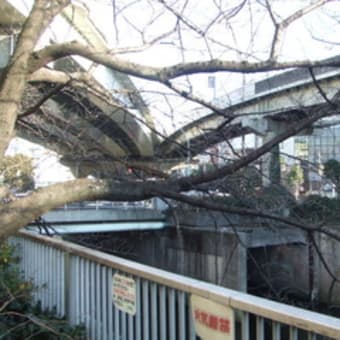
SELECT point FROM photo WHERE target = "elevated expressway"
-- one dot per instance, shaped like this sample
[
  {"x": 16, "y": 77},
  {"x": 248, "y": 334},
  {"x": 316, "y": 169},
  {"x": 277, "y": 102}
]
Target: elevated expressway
[
  {"x": 264, "y": 108},
  {"x": 95, "y": 131},
  {"x": 93, "y": 126}
]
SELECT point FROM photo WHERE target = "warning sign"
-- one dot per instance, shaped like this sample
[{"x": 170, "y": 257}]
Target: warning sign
[
  {"x": 124, "y": 293},
  {"x": 212, "y": 320}
]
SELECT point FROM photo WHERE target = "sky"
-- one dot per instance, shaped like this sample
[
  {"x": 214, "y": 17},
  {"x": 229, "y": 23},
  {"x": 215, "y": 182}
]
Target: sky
[{"x": 47, "y": 168}]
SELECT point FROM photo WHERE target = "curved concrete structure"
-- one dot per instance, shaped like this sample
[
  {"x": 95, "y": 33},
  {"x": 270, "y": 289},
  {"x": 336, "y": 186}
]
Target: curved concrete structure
[{"x": 83, "y": 126}]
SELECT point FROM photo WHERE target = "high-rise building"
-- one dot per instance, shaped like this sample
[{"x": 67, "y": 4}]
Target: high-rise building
[
  {"x": 322, "y": 145},
  {"x": 314, "y": 150}
]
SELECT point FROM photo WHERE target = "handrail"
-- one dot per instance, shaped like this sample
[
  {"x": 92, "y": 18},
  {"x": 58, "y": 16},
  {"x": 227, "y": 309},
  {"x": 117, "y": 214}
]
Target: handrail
[{"x": 293, "y": 316}]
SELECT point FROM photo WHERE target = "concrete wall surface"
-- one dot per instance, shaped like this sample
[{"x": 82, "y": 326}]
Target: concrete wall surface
[
  {"x": 329, "y": 284},
  {"x": 235, "y": 260}
]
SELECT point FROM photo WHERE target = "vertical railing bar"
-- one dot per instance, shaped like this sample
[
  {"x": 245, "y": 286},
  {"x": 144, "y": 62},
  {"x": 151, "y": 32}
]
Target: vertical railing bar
[
  {"x": 259, "y": 328},
  {"x": 139, "y": 310},
  {"x": 117, "y": 323},
  {"x": 162, "y": 312},
  {"x": 23, "y": 259},
  {"x": 104, "y": 302},
  {"x": 46, "y": 252},
  {"x": 131, "y": 328},
  {"x": 48, "y": 278},
  {"x": 51, "y": 278},
  {"x": 192, "y": 333},
  {"x": 99, "y": 323},
  {"x": 311, "y": 336},
  {"x": 92, "y": 298},
  {"x": 60, "y": 283},
  {"x": 87, "y": 294},
  {"x": 80, "y": 290},
  {"x": 293, "y": 333},
  {"x": 82, "y": 316},
  {"x": 65, "y": 284},
  {"x": 36, "y": 273},
  {"x": 56, "y": 278},
  {"x": 110, "y": 304},
  {"x": 85, "y": 286},
  {"x": 31, "y": 254},
  {"x": 245, "y": 326},
  {"x": 40, "y": 274},
  {"x": 21, "y": 249},
  {"x": 181, "y": 314},
  {"x": 42, "y": 264},
  {"x": 154, "y": 313},
  {"x": 172, "y": 314},
  {"x": 76, "y": 290},
  {"x": 46, "y": 266},
  {"x": 70, "y": 300},
  {"x": 23, "y": 256},
  {"x": 68, "y": 286},
  {"x": 123, "y": 325},
  {"x": 146, "y": 315},
  {"x": 276, "y": 330},
  {"x": 130, "y": 321},
  {"x": 63, "y": 290}
]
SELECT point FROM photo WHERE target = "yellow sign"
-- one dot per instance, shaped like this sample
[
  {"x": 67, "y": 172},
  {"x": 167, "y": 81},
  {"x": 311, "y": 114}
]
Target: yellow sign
[
  {"x": 124, "y": 293},
  {"x": 212, "y": 320}
]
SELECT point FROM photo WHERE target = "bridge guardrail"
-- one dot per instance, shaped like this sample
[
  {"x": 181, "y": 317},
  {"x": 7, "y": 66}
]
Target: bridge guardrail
[
  {"x": 78, "y": 282},
  {"x": 98, "y": 205}
]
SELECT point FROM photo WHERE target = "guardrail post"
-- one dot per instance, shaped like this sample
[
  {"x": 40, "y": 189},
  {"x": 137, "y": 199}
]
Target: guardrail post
[{"x": 67, "y": 286}]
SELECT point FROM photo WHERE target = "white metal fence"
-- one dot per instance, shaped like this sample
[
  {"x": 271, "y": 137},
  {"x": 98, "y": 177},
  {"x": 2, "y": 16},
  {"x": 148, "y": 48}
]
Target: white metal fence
[{"x": 77, "y": 281}]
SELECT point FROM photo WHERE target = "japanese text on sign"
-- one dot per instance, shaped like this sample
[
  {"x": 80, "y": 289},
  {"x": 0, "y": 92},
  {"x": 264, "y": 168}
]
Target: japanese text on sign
[
  {"x": 212, "y": 320},
  {"x": 124, "y": 293}
]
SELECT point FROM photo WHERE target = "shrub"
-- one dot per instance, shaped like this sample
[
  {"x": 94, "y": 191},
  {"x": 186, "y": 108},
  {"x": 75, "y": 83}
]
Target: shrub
[
  {"x": 316, "y": 209},
  {"x": 20, "y": 317}
]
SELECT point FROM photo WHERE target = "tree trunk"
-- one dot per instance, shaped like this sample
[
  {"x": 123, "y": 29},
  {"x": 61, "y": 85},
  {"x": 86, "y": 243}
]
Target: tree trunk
[{"x": 14, "y": 78}]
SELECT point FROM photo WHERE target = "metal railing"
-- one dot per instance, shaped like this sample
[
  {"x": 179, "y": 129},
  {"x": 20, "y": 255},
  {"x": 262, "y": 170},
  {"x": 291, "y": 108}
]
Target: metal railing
[
  {"x": 78, "y": 282},
  {"x": 100, "y": 205}
]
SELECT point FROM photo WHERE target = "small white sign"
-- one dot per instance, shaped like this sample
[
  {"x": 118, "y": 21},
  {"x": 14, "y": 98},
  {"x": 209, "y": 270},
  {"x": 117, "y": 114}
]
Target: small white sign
[
  {"x": 212, "y": 320},
  {"x": 124, "y": 293}
]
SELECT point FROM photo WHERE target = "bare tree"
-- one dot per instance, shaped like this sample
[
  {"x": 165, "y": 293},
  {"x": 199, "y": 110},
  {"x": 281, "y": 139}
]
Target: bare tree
[{"x": 212, "y": 38}]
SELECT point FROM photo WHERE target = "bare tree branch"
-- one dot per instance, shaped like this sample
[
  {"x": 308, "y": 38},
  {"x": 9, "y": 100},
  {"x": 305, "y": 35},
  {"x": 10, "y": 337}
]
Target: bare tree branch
[{"x": 163, "y": 74}]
